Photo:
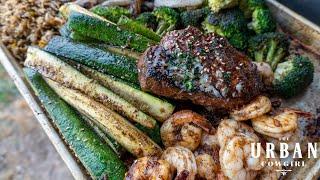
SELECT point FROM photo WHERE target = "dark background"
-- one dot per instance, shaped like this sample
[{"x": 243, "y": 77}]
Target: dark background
[{"x": 307, "y": 8}]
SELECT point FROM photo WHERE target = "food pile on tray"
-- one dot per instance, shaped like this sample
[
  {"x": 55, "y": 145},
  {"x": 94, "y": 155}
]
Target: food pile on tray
[
  {"x": 29, "y": 22},
  {"x": 173, "y": 89}
]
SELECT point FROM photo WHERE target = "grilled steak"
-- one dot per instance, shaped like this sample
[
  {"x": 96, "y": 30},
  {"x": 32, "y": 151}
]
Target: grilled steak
[{"x": 206, "y": 69}]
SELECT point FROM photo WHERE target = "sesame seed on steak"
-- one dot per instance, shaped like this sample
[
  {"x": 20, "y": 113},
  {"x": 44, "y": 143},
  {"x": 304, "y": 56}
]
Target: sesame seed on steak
[{"x": 203, "y": 68}]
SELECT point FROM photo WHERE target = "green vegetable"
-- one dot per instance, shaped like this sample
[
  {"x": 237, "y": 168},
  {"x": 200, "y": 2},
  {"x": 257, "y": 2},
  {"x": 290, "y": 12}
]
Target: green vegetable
[
  {"x": 111, "y": 13},
  {"x": 114, "y": 145},
  {"x": 167, "y": 19},
  {"x": 229, "y": 23},
  {"x": 262, "y": 21},
  {"x": 113, "y": 124},
  {"x": 91, "y": 25},
  {"x": 218, "y": 5},
  {"x": 136, "y": 27},
  {"x": 81, "y": 38},
  {"x": 154, "y": 133},
  {"x": 194, "y": 17},
  {"x": 157, "y": 108},
  {"x": 94, "y": 57},
  {"x": 269, "y": 47},
  {"x": 293, "y": 76},
  {"x": 59, "y": 71},
  {"x": 99, "y": 160},
  {"x": 123, "y": 52},
  {"x": 67, "y": 33},
  {"x": 248, "y": 6},
  {"x": 148, "y": 20}
]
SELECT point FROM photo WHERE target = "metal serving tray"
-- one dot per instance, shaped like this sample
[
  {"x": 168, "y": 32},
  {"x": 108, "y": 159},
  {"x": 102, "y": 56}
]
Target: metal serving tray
[{"x": 307, "y": 33}]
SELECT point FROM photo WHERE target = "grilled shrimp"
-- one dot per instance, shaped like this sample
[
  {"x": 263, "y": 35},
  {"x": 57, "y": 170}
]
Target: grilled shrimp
[
  {"x": 207, "y": 157},
  {"x": 276, "y": 125},
  {"x": 208, "y": 168},
  {"x": 209, "y": 140},
  {"x": 236, "y": 159},
  {"x": 182, "y": 160},
  {"x": 150, "y": 168},
  {"x": 184, "y": 128},
  {"x": 227, "y": 129},
  {"x": 271, "y": 172},
  {"x": 259, "y": 106}
]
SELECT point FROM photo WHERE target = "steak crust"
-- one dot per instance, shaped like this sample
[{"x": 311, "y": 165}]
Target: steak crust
[{"x": 206, "y": 69}]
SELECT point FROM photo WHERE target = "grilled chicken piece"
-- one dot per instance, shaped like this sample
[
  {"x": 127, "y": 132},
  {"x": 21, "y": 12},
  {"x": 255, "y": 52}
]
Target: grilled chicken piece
[{"x": 206, "y": 69}]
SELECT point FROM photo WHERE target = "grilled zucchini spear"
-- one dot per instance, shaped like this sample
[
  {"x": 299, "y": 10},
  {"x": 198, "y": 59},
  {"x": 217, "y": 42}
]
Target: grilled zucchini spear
[
  {"x": 59, "y": 71},
  {"x": 115, "y": 125},
  {"x": 91, "y": 25},
  {"x": 94, "y": 57},
  {"x": 157, "y": 108},
  {"x": 113, "y": 144},
  {"x": 99, "y": 160}
]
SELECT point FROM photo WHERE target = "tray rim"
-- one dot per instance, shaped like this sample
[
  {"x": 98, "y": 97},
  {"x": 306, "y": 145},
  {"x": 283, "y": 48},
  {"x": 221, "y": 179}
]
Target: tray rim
[
  {"x": 15, "y": 72},
  {"x": 294, "y": 14}
]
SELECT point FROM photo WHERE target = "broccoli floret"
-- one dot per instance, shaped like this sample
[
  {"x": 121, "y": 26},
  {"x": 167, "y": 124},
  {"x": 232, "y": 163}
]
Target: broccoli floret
[
  {"x": 194, "y": 17},
  {"x": 293, "y": 75},
  {"x": 248, "y": 6},
  {"x": 148, "y": 19},
  {"x": 217, "y": 5},
  {"x": 269, "y": 47},
  {"x": 112, "y": 13},
  {"x": 262, "y": 21},
  {"x": 167, "y": 19},
  {"x": 229, "y": 23}
]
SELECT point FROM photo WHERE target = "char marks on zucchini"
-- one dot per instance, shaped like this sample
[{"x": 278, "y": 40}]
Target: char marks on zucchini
[
  {"x": 59, "y": 71},
  {"x": 110, "y": 122},
  {"x": 95, "y": 58},
  {"x": 99, "y": 159},
  {"x": 157, "y": 108}
]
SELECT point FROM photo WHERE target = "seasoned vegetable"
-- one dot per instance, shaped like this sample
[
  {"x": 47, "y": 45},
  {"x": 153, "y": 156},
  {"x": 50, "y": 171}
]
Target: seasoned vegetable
[
  {"x": 96, "y": 58},
  {"x": 194, "y": 17},
  {"x": 154, "y": 133},
  {"x": 262, "y": 21},
  {"x": 123, "y": 52},
  {"x": 248, "y": 6},
  {"x": 136, "y": 27},
  {"x": 269, "y": 47},
  {"x": 116, "y": 126},
  {"x": 99, "y": 160},
  {"x": 167, "y": 19},
  {"x": 57, "y": 70},
  {"x": 147, "y": 19},
  {"x": 114, "y": 145},
  {"x": 111, "y": 13},
  {"x": 159, "y": 109},
  {"x": 64, "y": 31},
  {"x": 230, "y": 24},
  {"x": 293, "y": 76},
  {"x": 67, "y": 33},
  {"x": 91, "y": 25},
  {"x": 217, "y": 5}
]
